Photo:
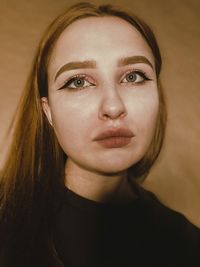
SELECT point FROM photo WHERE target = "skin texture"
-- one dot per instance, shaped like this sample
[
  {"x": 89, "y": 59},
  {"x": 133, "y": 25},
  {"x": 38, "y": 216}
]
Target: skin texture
[{"x": 108, "y": 100}]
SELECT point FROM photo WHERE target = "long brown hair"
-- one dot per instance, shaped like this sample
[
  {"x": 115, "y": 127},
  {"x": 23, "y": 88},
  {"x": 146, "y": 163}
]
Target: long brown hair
[{"x": 34, "y": 170}]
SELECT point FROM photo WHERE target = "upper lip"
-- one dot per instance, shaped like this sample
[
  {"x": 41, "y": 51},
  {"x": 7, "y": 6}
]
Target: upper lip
[{"x": 120, "y": 132}]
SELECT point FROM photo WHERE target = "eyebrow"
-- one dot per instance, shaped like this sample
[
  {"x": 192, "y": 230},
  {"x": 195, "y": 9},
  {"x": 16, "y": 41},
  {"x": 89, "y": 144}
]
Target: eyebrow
[
  {"x": 91, "y": 64},
  {"x": 88, "y": 64},
  {"x": 133, "y": 60}
]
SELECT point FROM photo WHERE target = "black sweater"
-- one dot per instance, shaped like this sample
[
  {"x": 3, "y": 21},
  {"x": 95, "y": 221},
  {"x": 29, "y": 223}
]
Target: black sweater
[{"x": 143, "y": 232}]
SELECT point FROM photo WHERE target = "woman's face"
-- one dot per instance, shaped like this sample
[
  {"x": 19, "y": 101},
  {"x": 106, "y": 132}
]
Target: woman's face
[{"x": 103, "y": 95}]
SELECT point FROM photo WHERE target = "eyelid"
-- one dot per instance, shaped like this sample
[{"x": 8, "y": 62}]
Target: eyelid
[
  {"x": 73, "y": 78},
  {"x": 134, "y": 71},
  {"x": 90, "y": 80}
]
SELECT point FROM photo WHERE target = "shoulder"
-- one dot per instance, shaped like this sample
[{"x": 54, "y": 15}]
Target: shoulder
[
  {"x": 172, "y": 231},
  {"x": 162, "y": 213},
  {"x": 165, "y": 219}
]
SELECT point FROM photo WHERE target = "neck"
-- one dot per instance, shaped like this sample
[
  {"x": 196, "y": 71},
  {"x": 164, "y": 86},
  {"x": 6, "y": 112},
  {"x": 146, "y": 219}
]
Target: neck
[{"x": 98, "y": 187}]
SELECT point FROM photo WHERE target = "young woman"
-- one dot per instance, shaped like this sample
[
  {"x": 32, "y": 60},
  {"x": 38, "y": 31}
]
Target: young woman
[{"x": 90, "y": 123}]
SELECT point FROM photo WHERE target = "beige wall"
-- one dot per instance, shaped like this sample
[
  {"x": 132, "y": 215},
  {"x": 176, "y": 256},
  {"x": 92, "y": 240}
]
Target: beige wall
[{"x": 175, "y": 178}]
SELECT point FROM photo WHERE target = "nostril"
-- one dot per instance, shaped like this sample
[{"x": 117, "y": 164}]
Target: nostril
[
  {"x": 112, "y": 105},
  {"x": 113, "y": 114}
]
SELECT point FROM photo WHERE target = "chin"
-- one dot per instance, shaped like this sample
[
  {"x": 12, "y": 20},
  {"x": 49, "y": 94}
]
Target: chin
[
  {"x": 117, "y": 161},
  {"x": 113, "y": 168}
]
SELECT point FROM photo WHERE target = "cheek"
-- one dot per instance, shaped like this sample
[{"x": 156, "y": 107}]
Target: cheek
[
  {"x": 69, "y": 122},
  {"x": 61, "y": 124},
  {"x": 144, "y": 113}
]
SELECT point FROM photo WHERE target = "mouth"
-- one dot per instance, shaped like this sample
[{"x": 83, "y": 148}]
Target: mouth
[{"x": 114, "y": 138}]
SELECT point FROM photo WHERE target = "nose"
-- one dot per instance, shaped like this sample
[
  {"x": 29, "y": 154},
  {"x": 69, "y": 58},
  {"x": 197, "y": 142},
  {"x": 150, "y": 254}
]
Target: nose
[{"x": 112, "y": 105}]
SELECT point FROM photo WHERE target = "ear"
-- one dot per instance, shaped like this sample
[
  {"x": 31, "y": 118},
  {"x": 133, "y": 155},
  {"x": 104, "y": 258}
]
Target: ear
[{"x": 46, "y": 108}]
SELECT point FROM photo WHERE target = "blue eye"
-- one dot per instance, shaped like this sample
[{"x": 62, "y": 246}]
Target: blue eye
[
  {"x": 77, "y": 82},
  {"x": 131, "y": 77},
  {"x": 135, "y": 77}
]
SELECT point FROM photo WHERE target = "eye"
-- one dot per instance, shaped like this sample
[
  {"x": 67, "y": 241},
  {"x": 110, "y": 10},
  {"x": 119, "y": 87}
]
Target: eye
[
  {"x": 135, "y": 77},
  {"x": 77, "y": 82}
]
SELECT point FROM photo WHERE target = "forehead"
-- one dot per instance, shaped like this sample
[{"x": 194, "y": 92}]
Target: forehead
[{"x": 96, "y": 37}]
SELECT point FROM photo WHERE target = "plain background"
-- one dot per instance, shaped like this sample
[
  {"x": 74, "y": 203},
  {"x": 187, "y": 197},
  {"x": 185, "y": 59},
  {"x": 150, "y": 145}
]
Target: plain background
[{"x": 175, "y": 177}]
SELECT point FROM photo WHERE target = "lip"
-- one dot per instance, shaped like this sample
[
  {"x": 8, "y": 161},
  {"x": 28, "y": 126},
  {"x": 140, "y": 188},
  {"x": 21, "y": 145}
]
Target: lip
[{"x": 113, "y": 138}]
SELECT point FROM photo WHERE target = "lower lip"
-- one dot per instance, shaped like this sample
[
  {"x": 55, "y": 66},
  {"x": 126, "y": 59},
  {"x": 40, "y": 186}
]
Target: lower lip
[{"x": 114, "y": 142}]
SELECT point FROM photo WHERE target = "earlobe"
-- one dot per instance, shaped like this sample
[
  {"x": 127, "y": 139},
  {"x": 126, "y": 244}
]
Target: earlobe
[{"x": 46, "y": 109}]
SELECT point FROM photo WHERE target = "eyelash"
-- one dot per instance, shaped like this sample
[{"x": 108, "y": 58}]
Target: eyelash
[
  {"x": 71, "y": 80},
  {"x": 83, "y": 76}
]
